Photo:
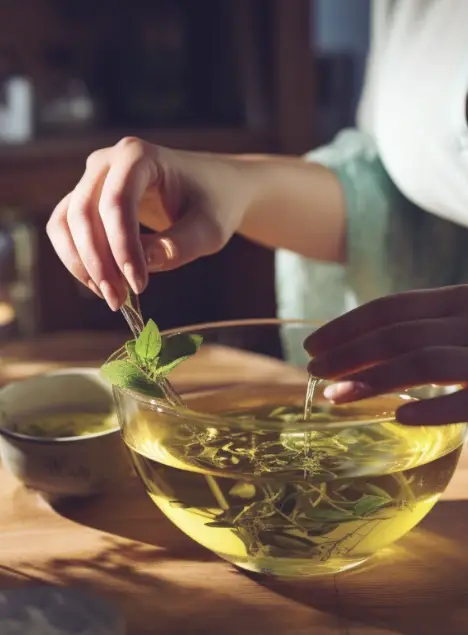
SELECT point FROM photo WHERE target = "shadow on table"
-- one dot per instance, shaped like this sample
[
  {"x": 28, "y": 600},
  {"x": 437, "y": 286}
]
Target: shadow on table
[
  {"x": 171, "y": 597},
  {"x": 129, "y": 513},
  {"x": 12, "y": 578},
  {"x": 418, "y": 587}
]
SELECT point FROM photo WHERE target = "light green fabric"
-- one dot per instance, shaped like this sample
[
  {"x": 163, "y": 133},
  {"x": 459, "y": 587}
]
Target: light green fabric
[{"x": 392, "y": 245}]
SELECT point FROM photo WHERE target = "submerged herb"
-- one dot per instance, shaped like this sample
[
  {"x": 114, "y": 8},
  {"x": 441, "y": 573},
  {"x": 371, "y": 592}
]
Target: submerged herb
[
  {"x": 297, "y": 518},
  {"x": 293, "y": 492},
  {"x": 148, "y": 359}
]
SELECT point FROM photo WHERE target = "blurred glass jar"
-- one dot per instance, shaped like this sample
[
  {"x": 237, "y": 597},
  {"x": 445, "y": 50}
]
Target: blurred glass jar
[
  {"x": 67, "y": 104},
  {"x": 18, "y": 314}
]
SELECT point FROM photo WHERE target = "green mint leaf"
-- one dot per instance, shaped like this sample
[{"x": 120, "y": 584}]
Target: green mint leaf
[
  {"x": 148, "y": 343},
  {"x": 131, "y": 352},
  {"x": 175, "y": 350},
  {"x": 369, "y": 504},
  {"x": 124, "y": 374},
  {"x": 330, "y": 515}
]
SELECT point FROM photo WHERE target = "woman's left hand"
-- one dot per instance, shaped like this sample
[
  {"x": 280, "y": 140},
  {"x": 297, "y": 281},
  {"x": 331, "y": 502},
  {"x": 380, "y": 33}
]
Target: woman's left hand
[{"x": 397, "y": 342}]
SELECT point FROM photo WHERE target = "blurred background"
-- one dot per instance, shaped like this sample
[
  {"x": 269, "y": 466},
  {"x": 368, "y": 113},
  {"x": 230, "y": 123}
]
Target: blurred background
[{"x": 279, "y": 76}]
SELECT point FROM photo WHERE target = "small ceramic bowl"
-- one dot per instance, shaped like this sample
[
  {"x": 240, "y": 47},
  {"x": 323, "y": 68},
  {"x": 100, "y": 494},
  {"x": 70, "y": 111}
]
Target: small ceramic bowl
[{"x": 61, "y": 467}]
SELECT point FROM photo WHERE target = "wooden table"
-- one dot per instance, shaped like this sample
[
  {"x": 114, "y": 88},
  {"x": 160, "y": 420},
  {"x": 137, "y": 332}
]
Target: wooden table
[{"x": 122, "y": 548}]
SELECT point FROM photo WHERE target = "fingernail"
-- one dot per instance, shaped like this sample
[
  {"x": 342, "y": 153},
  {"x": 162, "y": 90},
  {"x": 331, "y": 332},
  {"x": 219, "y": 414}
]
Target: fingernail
[
  {"x": 133, "y": 278},
  {"x": 110, "y": 296},
  {"x": 94, "y": 288},
  {"x": 155, "y": 259},
  {"x": 346, "y": 391}
]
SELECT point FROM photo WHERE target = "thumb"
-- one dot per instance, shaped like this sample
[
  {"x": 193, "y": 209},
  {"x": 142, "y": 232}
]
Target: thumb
[{"x": 193, "y": 236}]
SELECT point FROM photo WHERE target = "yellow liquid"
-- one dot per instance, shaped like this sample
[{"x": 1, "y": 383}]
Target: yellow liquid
[
  {"x": 55, "y": 425},
  {"x": 294, "y": 503}
]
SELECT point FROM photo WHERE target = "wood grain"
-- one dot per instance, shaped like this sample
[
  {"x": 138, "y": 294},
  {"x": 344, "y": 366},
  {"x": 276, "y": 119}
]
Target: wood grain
[{"x": 122, "y": 548}]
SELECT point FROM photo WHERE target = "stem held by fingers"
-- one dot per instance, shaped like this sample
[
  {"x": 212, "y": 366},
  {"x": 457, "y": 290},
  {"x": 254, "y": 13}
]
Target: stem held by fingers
[{"x": 132, "y": 314}]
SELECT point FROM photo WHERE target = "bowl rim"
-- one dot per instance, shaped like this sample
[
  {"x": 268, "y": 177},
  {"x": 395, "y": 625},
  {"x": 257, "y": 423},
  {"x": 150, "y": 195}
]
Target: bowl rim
[
  {"x": 71, "y": 370},
  {"x": 243, "y": 322},
  {"x": 207, "y": 419}
]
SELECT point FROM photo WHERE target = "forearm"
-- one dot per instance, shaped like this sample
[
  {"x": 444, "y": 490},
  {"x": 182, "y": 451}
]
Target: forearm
[{"x": 295, "y": 205}]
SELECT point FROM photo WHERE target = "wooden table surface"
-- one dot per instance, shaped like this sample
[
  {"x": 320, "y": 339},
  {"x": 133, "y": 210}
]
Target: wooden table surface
[{"x": 122, "y": 548}]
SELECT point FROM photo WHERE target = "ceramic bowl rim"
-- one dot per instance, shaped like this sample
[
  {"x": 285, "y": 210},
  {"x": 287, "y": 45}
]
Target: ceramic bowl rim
[{"x": 74, "y": 370}]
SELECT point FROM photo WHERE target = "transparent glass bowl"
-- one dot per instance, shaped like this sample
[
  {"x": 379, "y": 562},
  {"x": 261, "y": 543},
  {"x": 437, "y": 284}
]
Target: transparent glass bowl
[{"x": 240, "y": 471}]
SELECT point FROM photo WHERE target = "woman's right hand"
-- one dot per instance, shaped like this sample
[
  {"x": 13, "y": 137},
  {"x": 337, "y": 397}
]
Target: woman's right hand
[{"x": 194, "y": 203}]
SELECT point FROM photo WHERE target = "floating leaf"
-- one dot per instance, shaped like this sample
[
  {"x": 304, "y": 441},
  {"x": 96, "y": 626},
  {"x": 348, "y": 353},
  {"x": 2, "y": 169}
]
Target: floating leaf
[
  {"x": 243, "y": 490},
  {"x": 175, "y": 350},
  {"x": 330, "y": 515},
  {"x": 124, "y": 374},
  {"x": 148, "y": 343},
  {"x": 369, "y": 504}
]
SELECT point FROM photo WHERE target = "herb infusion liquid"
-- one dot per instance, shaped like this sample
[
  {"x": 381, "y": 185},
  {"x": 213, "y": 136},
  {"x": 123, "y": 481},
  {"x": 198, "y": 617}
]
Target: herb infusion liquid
[{"x": 272, "y": 494}]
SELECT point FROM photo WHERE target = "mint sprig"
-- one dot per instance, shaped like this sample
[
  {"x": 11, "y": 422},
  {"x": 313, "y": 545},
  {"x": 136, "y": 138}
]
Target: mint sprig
[
  {"x": 150, "y": 358},
  {"x": 149, "y": 344}
]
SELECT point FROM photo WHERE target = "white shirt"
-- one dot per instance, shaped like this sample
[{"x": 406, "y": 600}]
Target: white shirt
[
  {"x": 408, "y": 157},
  {"x": 414, "y": 100}
]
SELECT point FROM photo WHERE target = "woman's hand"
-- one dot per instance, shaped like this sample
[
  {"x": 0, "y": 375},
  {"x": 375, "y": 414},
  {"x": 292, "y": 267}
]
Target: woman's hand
[
  {"x": 397, "y": 342},
  {"x": 195, "y": 202}
]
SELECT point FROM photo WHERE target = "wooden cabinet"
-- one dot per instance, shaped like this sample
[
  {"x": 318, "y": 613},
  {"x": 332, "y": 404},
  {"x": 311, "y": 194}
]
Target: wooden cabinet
[{"x": 271, "y": 68}]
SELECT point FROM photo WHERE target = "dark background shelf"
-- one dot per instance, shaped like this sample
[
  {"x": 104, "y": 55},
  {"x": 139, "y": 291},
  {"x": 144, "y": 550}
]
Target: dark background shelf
[{"x": 214, "y": 75}]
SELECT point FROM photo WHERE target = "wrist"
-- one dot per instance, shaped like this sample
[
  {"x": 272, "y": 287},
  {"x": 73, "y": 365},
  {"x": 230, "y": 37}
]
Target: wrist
[{"x": 253, "y": 182}]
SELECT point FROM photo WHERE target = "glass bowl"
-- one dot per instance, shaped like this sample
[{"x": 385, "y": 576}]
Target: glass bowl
[{"x": 240, "y": 471}]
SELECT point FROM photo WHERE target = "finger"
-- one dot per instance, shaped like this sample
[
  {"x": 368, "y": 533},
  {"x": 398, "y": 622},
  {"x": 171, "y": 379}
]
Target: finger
[
  {"x": 195, "y": 235},
  {"x": 452, "y": 408},
  {"x": 389, "y": 342},
  {"x": 59, "y": 234},
  {"x": 153, "y": 213},
  {"x": 437, "y": 365},
  {"x": 90, "y": 238},
  {"x": 126, "y": 183},
  {"x": 402, "y": 307}
]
